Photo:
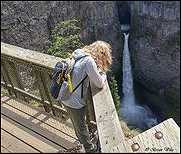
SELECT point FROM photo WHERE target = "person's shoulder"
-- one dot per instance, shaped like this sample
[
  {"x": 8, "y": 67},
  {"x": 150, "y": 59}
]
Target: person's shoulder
[{"x": 89, "y": 60}]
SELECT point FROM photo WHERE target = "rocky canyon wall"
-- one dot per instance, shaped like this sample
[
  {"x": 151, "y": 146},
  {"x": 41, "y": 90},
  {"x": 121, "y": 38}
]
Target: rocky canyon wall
[{"x": 155, "y": 47}]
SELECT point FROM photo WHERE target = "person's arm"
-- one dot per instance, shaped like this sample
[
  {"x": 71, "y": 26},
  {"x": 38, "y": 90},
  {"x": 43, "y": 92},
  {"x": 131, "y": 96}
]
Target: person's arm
[{"x": 93, "y": 73}]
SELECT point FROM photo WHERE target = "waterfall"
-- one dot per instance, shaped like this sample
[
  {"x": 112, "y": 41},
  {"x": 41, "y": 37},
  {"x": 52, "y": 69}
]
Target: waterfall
[
  {"x": 134, "y": 114},
  {"x": 127, "y": 72}
]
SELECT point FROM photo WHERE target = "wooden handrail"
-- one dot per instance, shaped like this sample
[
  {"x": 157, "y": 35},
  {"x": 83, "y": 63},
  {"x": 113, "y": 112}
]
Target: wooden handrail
[
  {"x": 111, "y": 135},
  {"x": 42, "y": 66},
  {"x": 29, "y": 56}
]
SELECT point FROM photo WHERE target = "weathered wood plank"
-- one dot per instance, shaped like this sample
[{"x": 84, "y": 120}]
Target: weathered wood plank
[
  {"x": 42, "y": 91},
  {"x": 14, "y": 145},
  {"x": 169, "y": 143},
  {"x": 29, "y": 56},
  {"x": 55, "y": 136},
  {"x": 4, "y": 98},
  {"x": 64, "y": 126},
  {"x": 27, "y": 136},
  {"x": 59, "y": 110},
  {"x": 7, "y": 79},
  {"x": 17, "y": 90},
  {"x": 110, "y": 133},
  {"x": 4, "y": 150},
  {"x": 4, "y": 81},
  {"x": 15, "y": 77}
]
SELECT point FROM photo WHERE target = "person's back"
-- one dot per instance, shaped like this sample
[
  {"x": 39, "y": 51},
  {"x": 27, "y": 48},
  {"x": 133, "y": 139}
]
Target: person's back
[
  {"x": 89, "y": 62},
  {"x": 85, "y": 65}
]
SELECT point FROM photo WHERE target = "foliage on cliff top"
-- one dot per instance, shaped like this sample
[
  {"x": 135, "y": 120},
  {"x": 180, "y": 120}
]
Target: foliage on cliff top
[
  {"x": 65, "y": 38},
  {"x": 114, "y": 90}
]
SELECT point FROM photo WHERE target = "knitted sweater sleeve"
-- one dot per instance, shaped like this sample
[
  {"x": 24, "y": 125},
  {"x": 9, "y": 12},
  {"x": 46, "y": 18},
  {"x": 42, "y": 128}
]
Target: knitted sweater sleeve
[{"x": 92, "y": 71}]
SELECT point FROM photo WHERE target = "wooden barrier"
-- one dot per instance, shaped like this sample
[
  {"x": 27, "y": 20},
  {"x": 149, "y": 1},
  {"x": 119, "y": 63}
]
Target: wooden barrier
[
  {"x": 41, "y": 66},
  {"x": 111, "y": 135}
]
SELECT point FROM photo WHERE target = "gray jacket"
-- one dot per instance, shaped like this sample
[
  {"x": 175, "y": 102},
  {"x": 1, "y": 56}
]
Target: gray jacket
[{"x": 84, "y": 66}]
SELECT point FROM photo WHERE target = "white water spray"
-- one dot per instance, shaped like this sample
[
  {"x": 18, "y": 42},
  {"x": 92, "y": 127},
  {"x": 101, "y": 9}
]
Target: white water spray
[{"x": 133, "y": 114}]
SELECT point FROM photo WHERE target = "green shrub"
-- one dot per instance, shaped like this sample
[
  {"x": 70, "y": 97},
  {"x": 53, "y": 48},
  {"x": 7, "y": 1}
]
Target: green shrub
[
  {"x": 65, "y": 38},
  {"x": 114, "y": 90}
]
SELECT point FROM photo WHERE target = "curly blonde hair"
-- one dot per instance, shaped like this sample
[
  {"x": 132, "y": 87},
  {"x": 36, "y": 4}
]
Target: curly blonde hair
[{"x": 100, "y": 51}]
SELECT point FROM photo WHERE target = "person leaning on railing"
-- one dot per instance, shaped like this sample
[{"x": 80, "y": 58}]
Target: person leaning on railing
[{"x": 95, "y": 62}]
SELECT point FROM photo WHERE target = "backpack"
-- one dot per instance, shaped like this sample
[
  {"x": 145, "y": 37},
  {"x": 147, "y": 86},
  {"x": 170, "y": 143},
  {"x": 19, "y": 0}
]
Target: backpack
[{"x": 61, "y": 76}]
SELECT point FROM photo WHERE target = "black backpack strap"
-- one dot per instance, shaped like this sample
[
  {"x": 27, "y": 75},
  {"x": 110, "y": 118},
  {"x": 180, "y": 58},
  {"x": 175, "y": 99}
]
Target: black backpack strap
[
  {"x": 80, "y": 84},
  {"x": 82, "y": 89},
  {"x": 75, "y": 62}
]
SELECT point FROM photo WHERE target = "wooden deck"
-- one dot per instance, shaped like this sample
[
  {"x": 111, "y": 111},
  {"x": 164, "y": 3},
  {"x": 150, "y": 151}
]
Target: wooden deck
[
  {"x": 27, "y": 129},
  {"x": 162, "y": 138}
]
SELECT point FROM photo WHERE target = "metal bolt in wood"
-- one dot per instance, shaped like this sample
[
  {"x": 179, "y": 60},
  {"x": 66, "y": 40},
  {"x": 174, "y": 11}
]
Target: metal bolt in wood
[
  {"x": 135, "y": 147},
  {"x": 158, "y": 135}
]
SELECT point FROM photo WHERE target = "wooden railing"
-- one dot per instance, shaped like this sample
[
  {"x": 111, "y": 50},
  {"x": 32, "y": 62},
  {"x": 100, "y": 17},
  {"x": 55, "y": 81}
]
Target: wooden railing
[
  {"x": 109, "y": 129},
  {"x": 16, "y": 61},
  {"x": 26, "y": 75}
]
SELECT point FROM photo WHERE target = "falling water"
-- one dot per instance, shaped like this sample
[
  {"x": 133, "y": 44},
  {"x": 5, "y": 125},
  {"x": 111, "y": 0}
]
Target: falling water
[{"x": 134, "y": 114}]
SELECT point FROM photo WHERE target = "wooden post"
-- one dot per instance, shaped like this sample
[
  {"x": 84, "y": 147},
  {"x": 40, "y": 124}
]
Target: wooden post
[
  {"x": 42, "y": 90},
  {"x": 7, "y": 78},
  {"x": 14, "y": 74},
  {"x": 4, "y": 78}
]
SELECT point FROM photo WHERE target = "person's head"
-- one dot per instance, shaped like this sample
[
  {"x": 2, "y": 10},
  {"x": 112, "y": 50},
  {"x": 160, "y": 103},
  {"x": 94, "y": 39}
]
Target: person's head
[{"x": 100, "y": 51}]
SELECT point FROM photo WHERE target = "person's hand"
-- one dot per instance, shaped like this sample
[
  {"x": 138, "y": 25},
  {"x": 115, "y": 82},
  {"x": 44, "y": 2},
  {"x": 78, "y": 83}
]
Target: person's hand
[{"x": 100, "y": 71}]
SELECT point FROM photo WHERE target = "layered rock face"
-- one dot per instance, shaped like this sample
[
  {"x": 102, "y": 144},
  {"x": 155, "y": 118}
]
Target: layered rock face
[
  {"x": 29, "y": 23},
  {"x": 24, "y": 23},
  {"x": 155, "y": 47},
  {"x": 154, "y": 39}
]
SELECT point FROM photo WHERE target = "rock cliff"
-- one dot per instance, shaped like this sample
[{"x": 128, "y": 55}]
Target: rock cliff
[{"x": 155, "y": 47}]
